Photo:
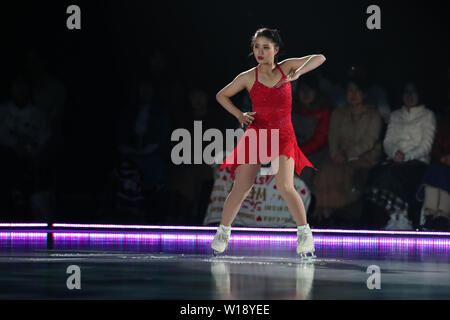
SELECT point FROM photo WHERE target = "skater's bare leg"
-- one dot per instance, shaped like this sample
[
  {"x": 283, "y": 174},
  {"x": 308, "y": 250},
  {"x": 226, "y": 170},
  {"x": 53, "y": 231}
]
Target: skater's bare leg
[
  {"x": 244, "y": 177},
  {"x": 285, "y": 185}
]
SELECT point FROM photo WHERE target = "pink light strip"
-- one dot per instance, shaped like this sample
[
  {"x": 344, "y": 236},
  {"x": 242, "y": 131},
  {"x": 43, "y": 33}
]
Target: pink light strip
[
  {"x": 188, "y": 239},
  {"x": 252, "y": 238},
  {"x": 31, "y": 235},
  {"x": 23, "y": 225},
  {"x": 200, "y": 228}
]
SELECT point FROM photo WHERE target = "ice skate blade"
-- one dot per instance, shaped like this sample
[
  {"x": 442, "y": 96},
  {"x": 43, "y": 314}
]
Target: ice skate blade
[
  {"x": 307, "y": 257},
  {"x": 217, "y": 253}
]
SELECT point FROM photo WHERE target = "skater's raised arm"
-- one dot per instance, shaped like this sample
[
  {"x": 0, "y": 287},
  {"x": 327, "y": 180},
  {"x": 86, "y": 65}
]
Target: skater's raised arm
[
  {"x": 299, "y": 66},
  {"x": 304, "y": 64},
  {"x": 223, "y": 97}
]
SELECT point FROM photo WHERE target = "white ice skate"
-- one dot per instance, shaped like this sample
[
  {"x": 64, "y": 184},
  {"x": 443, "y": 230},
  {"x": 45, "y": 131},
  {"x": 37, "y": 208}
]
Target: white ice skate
[
  {"x": 221, "y": 239},
  {"x": 305, "y": 243}
]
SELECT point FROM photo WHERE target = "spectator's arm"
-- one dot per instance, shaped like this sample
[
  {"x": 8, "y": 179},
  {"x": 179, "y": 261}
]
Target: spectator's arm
[
  {"x": 390, "y": 148},
  {"x": 369, "y": 144},
  {"x": 372, "y": 156},
  {"x": 424, "y": 147},
  {"x": 333, "y": 134}
]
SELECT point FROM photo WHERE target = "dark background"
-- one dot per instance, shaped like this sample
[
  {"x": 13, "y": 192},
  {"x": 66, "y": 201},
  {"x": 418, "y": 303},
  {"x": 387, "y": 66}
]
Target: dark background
[{"x": 206, "y": 44}]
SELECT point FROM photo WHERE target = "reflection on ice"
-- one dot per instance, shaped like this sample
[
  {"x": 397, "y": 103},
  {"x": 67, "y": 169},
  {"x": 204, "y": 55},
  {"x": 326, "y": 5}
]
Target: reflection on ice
[{"x": 257, "y": 280}]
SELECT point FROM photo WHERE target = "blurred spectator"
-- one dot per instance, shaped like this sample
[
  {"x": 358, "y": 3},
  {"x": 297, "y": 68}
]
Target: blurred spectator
[
  {"x": 193, "y": 182},
  {"x": 332, "y": 90},
  {"x": 144, "y": 136},
  {"x": 158, "y": 64},
  {"x": 435, "y": 188},
  {"x": 161, "y": 73},
  {"x": 48, "y": 93},
  {"x": 311, "y": 119},
  {"x": 24, "y": 132},
  {"x": 143, "y": 143},
  {"x": 178, "y": 104},
  {"x": 375, "y": 96},
  {"x": 393, "y": 184},
  {"x": 123, "y": 197},
  {"x": 202, "y": 109},
  {"x": 354, "y": 147}
]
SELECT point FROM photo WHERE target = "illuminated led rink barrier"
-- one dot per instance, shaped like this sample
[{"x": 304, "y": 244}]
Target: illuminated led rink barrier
[{"x": 196, "y": 240}]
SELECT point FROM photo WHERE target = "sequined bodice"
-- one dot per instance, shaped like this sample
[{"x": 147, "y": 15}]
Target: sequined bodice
[{"x": 272, "y": 105}]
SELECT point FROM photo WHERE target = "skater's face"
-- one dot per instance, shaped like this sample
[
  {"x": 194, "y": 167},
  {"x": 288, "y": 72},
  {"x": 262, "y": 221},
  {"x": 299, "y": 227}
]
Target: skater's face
[
  {"x": 410, "y": 96},
  {"x": 355, "y": 95},
  {"x": 264, "y": 50}
]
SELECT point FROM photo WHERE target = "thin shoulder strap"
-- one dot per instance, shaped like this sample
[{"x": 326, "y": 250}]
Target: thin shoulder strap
[
  {"x": 256, "y": 73},
  {"x": 280, "y": 70}
]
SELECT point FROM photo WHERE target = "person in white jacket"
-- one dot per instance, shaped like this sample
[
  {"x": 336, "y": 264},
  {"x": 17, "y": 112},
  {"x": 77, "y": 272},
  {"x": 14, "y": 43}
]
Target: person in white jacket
[
  {"x": 408, "y": 141},
  {"x": 411, "y": 129}
]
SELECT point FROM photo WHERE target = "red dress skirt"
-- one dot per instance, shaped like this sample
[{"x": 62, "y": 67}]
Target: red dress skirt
[{"x": 273, "y": 108}]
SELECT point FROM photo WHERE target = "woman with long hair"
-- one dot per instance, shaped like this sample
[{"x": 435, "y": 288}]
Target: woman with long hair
[{"x": 269, "y": 88}]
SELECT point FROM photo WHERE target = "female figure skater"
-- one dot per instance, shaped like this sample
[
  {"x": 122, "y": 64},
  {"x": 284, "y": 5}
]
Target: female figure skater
[{"x": 269, "y": 88}]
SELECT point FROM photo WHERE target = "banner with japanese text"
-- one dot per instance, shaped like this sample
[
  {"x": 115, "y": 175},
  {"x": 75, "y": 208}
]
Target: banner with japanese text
[{"x": 264, "y": 206}]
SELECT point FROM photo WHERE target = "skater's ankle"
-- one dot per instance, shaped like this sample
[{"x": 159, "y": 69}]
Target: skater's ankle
[
  {"x": 225, "y": 227},
  {"x": 303, "y": 227}
]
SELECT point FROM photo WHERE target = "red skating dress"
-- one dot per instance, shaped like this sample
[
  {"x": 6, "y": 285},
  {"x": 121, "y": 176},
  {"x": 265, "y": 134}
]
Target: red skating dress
[{"x": 273, "y": 108}]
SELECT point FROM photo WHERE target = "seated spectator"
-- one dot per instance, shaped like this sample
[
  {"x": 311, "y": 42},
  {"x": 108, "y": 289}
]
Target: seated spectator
[
  {"x": 193, "y": 182},
  {"x": 435, "y": 188},
  {"x": 48, "y": 94},
  {"x": 144, "y": 136},
  {"x": 47, "y": 91},
  {"x": 202, "y": 110},
  {"x": 376, "y": 95},
  {"x": 24, "y": 133},
  {"x": 393, "y": 184},
  {"x": 140, "y": 175},
  {"x": 178, "y": 104},
  {"x": 311, "y": 118},
  {"x": 354, "y": 147}
]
